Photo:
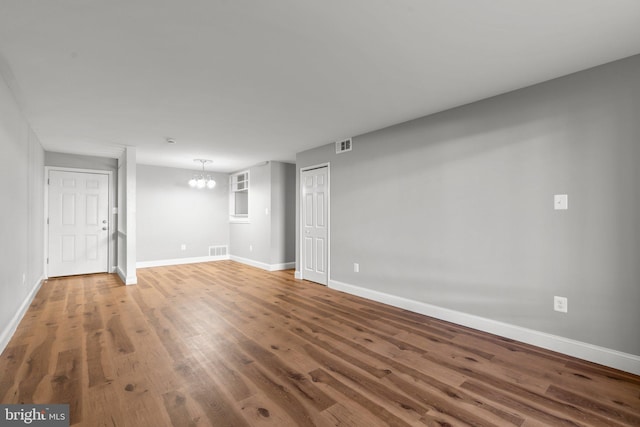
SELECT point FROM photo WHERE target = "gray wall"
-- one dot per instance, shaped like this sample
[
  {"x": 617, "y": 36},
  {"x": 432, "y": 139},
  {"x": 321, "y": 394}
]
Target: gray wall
[
  {"x": 170, "y": 213},
  {"x": 253, "y": 240},
  {"x": 64, "y": 160},
  {"x": 127, "y": 218},
  {"x": 455, "y": 209},
  {"x": 269, "y": 237},
  {"x": 22, "y": 213},
  {"x": 283, "y": 182}
]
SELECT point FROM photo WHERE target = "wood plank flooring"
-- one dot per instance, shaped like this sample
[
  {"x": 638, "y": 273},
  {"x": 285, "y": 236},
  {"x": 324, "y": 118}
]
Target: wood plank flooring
[{"x": 223, "y": 344}]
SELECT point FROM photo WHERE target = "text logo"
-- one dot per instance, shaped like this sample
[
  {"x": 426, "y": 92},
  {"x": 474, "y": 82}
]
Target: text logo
[{"x": 34, "y": 415}]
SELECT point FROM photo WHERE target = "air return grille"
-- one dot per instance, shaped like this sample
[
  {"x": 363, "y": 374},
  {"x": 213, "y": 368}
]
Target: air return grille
[
  {"x": 344, "y": 145},
  {"x": 218, "y": 250}
]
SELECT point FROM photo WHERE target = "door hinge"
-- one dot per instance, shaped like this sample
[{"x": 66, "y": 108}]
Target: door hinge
[
  {"x": 47, "y": 221},
  {"x": 48, "y": 181},
  {"x": 47, "y": 260}
]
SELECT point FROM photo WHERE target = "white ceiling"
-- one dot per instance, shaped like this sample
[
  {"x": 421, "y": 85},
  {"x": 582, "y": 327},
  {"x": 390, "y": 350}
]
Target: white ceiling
[{"x": 243, "y": 81}]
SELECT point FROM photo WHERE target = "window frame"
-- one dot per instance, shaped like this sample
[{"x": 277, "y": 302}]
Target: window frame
[{"x": 239, "y": 186}]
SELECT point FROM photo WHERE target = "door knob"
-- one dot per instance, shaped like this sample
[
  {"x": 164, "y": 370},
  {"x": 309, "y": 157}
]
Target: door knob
[
  {"x": 104, "y": 228},
  {"x": 104, "y": 221}
]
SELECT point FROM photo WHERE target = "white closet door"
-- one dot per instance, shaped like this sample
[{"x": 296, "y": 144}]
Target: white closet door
[{"x": 315, "y": 225}]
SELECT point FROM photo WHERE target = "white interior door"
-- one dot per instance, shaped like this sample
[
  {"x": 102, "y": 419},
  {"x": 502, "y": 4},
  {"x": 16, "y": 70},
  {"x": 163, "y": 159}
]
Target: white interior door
[
  {"x": 315, "y": 225},
  {"x": 78, "y": 223}
]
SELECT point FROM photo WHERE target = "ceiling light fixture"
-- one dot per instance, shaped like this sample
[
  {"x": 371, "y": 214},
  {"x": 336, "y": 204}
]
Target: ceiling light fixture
[
  {"x": 170, "y": 141},
  {"x": 202, "y": 181}
]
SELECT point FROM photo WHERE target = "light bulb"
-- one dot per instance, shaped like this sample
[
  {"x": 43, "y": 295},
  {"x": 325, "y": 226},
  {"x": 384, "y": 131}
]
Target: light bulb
[
  {"x": 210, "y": 183},
  {"x": 192, "y": 182},
  {"x": 201, "y": 182}
]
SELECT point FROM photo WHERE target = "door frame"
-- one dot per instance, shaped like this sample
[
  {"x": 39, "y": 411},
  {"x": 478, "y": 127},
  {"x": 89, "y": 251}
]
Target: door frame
[
  {"x": 111, "y": 256},
  {"x": 301, "y": 216}
]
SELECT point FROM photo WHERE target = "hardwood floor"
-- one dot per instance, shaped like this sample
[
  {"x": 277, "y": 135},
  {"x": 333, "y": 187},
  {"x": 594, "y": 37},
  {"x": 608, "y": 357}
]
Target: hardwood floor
[{"x": 223, "y": 344}]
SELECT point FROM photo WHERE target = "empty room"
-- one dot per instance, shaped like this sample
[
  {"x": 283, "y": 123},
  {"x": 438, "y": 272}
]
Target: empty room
[{"x": 319, "y": 213}]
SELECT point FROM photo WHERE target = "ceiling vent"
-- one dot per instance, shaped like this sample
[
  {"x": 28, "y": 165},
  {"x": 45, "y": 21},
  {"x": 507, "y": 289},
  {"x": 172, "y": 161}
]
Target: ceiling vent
[{"x": 344, "y": 145}]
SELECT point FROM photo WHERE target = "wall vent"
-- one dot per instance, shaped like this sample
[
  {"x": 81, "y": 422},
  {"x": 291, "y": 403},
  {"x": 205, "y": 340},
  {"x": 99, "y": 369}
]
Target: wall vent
[
  {"x": 218, "y": 250},
  {"x": 344, "y": 145}
]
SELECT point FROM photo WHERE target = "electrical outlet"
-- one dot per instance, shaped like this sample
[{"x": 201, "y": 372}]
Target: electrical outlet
[
  {"x": 561, "y": 202},
  {"x": 24, "y": 278},
  {"x": 560, "y": 304},
  {"x": 183, "y": 247},
  {"x": 250, "y": 248},
  {"x": 356, "y": 267}
]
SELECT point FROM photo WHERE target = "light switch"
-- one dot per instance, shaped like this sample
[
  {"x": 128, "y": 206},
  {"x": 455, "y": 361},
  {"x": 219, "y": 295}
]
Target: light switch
[{"x": 561, "y": 202}]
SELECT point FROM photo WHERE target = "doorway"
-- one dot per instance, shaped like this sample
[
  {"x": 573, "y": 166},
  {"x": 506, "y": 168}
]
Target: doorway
[
  {"x": 314, "y": 236},
  {"x": 78, "y": 226}
]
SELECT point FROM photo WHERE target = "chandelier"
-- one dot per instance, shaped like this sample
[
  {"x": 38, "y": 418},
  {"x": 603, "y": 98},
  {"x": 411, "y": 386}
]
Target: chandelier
[{"x": 202, "y": 180}]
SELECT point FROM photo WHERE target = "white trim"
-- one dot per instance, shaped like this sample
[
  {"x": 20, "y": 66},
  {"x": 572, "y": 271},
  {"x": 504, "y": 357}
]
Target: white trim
[
  {"x": 301, "y": 216},
  {"x": 45, "y": 218},
  {"x": 263, "y": 265},
  {"x": 79, "y": 170},
  {"x": 593, "y": 353},
  {"x": 130, "y": 197},
  {"x": 179, "y": 261},
  {"x": 7, "y": 333},
  {"x": 283, "y": 266},
  {"x": 111, "y": 241},
  {"x": 127, "y": 280},
  {"x": 238, "y": 220},
  {"x": 297, "y": 275}
]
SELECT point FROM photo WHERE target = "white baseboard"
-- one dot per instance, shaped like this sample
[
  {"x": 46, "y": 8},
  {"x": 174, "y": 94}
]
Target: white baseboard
[
  {"x": 127, "y": 280},
  {"x": 178, "y": 261},
  {"x": 283, "y": 266},
  {"x": 593, "y": 353},
  {"x": 298, "y": 275},
  {"x": 263, "y": 265},
  {"x": 7, "y": 333}
]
